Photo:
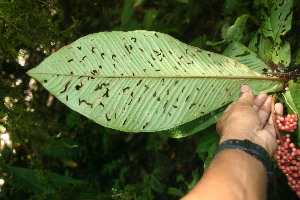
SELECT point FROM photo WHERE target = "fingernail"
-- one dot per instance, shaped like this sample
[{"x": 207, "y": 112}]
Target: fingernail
[{"x": 245, "y": 88}]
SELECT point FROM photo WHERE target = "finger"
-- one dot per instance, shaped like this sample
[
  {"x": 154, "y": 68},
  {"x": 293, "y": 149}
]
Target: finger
[
  {"x": 270, "y": 124},
  {"x": 259, "y": 100},
  {"x": 265, "y": 110},
  {"x": 246, "y": 96}
]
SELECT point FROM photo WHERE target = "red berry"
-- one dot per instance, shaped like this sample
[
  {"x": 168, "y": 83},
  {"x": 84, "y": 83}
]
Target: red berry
[
  {"x": 288, "y": 123},
  {"x": 287, "y": 158}
]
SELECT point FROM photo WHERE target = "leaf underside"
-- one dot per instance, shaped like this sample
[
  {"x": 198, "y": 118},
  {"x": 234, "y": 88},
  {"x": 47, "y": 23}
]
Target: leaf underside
[{"x": 144, "y": 81}]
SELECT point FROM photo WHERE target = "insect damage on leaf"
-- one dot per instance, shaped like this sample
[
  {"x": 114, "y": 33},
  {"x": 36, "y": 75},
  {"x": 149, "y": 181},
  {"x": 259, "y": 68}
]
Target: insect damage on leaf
[{"x": 144, "y": 81}]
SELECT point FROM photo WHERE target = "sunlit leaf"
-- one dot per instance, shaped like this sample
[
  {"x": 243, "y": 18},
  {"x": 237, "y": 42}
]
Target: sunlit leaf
[{"x": 144, "y": 81}]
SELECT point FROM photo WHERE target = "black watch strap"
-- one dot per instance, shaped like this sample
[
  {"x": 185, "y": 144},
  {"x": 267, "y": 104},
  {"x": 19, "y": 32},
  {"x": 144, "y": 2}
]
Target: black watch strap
[{"x": 251, "y": 148}]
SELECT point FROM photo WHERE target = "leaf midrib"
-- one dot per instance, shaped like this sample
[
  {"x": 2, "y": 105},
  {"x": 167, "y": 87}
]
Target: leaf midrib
[{"x": 219, "y": 77}]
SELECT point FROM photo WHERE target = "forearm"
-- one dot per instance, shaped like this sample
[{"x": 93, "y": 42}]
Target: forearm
[{"x": 233, "y": 174}]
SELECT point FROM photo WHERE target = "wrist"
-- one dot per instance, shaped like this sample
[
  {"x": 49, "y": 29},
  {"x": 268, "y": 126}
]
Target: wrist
[
  {"x": 261, "y": 138},
  {"x": 250, "y": 148}
]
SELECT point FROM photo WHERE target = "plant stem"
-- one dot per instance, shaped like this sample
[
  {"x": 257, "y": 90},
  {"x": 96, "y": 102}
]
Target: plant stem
[{"x": 274, "y": 119}]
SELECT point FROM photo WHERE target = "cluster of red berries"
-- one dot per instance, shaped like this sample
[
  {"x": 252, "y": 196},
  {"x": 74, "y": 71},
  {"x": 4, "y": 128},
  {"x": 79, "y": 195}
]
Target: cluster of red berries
[
  {"x": 288, "y": 123},
  {"x": 288, "y": 160}
]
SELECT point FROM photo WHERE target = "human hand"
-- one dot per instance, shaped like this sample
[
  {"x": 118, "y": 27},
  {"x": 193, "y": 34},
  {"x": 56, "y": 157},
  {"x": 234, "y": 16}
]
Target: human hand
[{"x": 249, "y": 118}]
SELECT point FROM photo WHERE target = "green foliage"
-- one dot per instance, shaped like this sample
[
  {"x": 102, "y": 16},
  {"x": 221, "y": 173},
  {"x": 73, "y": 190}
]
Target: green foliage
[
  {"x": 242, "y": 54},
  {"x": 207, "y": 145},
  {"x": 27, "y": 23},
  {"x": 236, "y": 32},
  {"x": 54, "y": 145},
  {"x": 276, "y": 17},
  {"x": 293, "y": 102},
  {"x": 295, "y": 94},
  {"x": 38, "y": 182},
  {"x": 230, "y": 6},
  {"x": 194, "y": 126}
]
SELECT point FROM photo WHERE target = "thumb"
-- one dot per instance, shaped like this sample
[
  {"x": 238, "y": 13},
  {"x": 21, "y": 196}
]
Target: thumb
[{"x": 246, "y": 96}]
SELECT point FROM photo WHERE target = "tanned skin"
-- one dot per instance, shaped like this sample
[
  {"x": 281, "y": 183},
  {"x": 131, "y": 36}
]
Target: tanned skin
[{"x": 234, "y": 174}]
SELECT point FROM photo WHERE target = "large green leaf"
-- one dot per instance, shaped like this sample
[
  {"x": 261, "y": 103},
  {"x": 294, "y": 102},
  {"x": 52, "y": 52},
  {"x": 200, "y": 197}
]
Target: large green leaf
[{"x": 144, "y": 81}]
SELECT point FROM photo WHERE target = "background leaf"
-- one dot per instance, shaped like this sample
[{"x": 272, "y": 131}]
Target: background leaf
[
  {"x": 295, "y": 99},
  {"x": 265, "y": 48},
  {"x": 297, "y": 59},
  {"x": 230, "y": 6},
  {"x": 211, "y": 152},
  {"x": 233, "y": 33},
  {"x": 277, "y": 19},
  {"x": 236, "y": 31},
  {"x": 194, "y": 126},
  {"x": 183, "y": 1},
  {"x": 206, "y": 141},
  {"x": 242, "y": 54},
  {"x": 295, "y": 94}
]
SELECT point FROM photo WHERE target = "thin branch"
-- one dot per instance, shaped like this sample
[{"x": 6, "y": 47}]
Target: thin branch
[{"x": 273, "y": 112}]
